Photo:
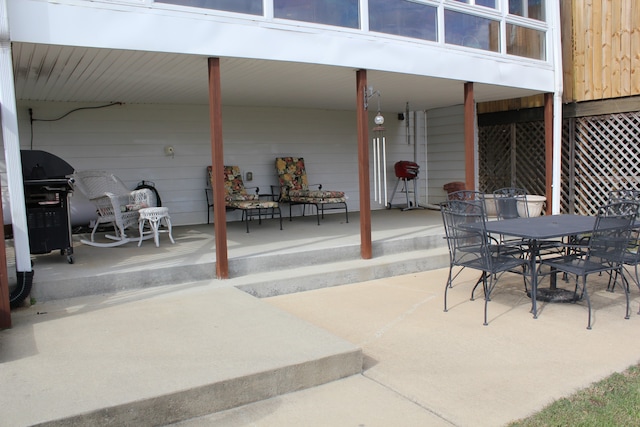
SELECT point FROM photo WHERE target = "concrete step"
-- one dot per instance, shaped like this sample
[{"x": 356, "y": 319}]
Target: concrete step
[
  {"x": 158, "y": 356},
  {"x": 390, "y": 257},
  {"x": 310, "y": 277}
]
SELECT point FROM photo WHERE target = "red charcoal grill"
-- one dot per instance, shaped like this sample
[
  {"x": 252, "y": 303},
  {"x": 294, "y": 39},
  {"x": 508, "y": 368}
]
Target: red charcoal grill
[{"x": 406, "y": 171}]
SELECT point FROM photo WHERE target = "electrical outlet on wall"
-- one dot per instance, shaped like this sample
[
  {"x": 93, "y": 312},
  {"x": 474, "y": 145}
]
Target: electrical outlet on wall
[{"x": 249, "y": 176}]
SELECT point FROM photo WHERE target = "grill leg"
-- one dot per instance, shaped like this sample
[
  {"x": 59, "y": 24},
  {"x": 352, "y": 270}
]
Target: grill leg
[{"x": 393, "y": 194}]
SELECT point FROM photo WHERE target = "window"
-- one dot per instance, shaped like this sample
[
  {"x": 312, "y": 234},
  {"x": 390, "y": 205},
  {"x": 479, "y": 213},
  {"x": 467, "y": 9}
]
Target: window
[
  {"x": 525, "y": 42},
  {"x": 533, "y": 9},
  {"x": 341, "y": 13},
  {"x": 471, "y": 31},
  {"x": 252, "y": 7},
  {"x": 403, "y": 18},
  {"x": 485, "y": 3}
]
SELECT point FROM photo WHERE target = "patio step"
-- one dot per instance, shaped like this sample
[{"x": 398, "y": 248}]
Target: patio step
[
  {"x": 309, "y": 277},
  {"x": 261, "y": 275},
  {"x": 173, "y": 354}
]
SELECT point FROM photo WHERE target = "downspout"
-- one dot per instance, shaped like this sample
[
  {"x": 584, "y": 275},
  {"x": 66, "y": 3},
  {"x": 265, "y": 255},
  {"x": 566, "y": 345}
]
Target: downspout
[
  {"x": 556, "y": 34},
  {"x": 9, "y": 118}
]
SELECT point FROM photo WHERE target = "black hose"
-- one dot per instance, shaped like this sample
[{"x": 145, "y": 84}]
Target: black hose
[{"x": 18, "y": 295}]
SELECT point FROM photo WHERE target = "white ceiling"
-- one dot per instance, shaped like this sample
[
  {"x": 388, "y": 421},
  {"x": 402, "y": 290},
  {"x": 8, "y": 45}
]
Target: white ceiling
[{"x": 75, "y": 74}]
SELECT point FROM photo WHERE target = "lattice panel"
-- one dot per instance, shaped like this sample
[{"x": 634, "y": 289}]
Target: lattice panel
[
  {"x": 494, "y": 157},
  {"x": 530, "y": 161},
  {"x": 566, "y": 192},
  {"x": 607, "y": 149},
  {"x": 497, "y": 169}
]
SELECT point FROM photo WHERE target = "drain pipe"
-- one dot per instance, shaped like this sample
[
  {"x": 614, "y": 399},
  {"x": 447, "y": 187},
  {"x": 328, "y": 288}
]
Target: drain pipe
[
  {"x": 9, "y": 118},
  {"x": 557, "y": 108}
]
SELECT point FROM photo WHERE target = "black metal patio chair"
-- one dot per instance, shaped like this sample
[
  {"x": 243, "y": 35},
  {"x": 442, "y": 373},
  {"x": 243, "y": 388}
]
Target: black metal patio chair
[
  {"x": 604, "y": 252},
  {"x": 632, "y": 252},
  {"x": 470, "y": 247}
]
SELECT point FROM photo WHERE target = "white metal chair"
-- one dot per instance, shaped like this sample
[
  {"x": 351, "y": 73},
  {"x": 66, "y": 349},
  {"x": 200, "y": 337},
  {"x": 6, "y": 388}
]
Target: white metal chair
[{"x": 115, "y": 204}]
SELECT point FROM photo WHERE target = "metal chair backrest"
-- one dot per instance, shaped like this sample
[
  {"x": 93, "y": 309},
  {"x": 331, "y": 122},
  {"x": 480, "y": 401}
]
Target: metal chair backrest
[
  {"x": 506, "y": 200},
  {"x": 611, "y": 232},
  {"x": 629, "y": 194},
  {"x": 466, "y": 245},
  {"x": 468, "y": 195}
]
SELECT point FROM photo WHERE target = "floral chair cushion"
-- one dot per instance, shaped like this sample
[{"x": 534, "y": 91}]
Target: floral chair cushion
[
  {"x": 234, "y": 189},
  {"x": 294, "y": 186}
]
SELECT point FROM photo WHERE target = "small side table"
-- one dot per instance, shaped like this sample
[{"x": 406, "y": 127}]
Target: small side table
[{"x": 155, "y": 216}]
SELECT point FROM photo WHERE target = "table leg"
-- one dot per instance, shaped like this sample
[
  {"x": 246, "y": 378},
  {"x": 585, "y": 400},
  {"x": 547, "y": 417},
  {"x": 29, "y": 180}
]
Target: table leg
[{"x": 534, "y": 277}]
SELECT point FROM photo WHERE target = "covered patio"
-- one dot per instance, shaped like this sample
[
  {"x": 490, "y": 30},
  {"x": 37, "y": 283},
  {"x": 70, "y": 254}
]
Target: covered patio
[{"x": 264, "y": 262}]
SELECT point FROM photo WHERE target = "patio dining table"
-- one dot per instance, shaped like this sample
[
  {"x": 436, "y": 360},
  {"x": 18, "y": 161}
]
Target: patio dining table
[{"x": 536, "y": 229}]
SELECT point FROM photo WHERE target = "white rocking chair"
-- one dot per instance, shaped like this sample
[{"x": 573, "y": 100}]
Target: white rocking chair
[{"x": 115, "y": 204}]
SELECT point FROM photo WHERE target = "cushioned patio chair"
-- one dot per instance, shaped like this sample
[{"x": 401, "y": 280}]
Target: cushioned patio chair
[
  {"x": 294, "y": 189},
  {"x": 115, "y": 204},
  {"x": 236, "y": 196}
]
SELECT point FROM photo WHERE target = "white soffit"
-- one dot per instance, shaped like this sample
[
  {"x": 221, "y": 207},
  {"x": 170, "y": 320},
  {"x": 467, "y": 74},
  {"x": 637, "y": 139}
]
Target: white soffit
[{"x": 76, "y": 74}]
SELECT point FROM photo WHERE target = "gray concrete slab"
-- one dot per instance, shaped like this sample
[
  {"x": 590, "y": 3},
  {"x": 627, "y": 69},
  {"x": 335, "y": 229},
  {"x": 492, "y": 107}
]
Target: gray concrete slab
[
  {"x": 153, "y": 356},
  {"x": 438, "y": 368},
  {"x": 265, "y": 249},
  {"x": 379, "y": 351}
]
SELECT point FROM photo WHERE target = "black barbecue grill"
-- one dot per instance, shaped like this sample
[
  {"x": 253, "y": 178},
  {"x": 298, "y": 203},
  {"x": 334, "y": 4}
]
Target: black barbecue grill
[{"x": 46, "y": 192}]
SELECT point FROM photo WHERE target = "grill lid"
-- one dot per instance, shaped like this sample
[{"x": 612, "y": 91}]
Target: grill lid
[{"x": 38, "y": 165}]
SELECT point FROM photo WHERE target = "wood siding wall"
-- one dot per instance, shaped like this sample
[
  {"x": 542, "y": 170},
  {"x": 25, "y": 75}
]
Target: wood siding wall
[
  {"x": 600, "y": 50},
  {"x": 606, "y": 49}
]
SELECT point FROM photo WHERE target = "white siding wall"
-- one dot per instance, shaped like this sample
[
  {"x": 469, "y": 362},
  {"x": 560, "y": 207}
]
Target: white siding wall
[
  {"x": 399, "y": 147},
  {"x": 445, "y": 154},
  {"x": 129, "y": 141}
]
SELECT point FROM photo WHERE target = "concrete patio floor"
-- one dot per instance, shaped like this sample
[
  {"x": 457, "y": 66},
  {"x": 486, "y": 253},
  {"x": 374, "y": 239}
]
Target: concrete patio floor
[
  {"x": 138, "y": 349},
  {"x": 425, "y": 367},
  {"x": 401, "y": 244}
]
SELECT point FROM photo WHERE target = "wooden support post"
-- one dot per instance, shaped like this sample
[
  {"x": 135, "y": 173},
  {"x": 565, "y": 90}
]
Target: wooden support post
[
  {"x": 217, "y": 165},
  {"x": 363, "y": 165},
  {"x": 469, "y": 137},
  {"x": 548, "y": 149}
]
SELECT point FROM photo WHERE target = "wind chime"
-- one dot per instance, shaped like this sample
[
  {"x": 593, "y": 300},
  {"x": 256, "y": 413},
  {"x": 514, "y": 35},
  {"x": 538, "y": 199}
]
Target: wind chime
[{"x": 379, "y": 150}]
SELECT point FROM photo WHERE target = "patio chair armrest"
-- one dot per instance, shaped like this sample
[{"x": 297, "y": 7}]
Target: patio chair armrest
[
  {"x": 276, "y": 190},
  {"x": 128, "y": 203}
]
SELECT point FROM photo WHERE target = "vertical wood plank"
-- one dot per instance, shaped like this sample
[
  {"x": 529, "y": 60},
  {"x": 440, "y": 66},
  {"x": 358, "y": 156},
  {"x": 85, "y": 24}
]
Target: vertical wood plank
[
  {"x": 616, "y": 53},
  {"x": 606, "y": 48},
  {"x": 597, "y": 43},
  {"x": 625, "y": 47},
  {"x": 363, "y": 166},
  {"x": 567, "y": 23},
  {"x": 635, "y": 48},
  {"x": 588, "y": 50},
  {"x": 579, "y": 49},
  {"x": 469, "y": 137},
  {"x": 217, "y": 163}
]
